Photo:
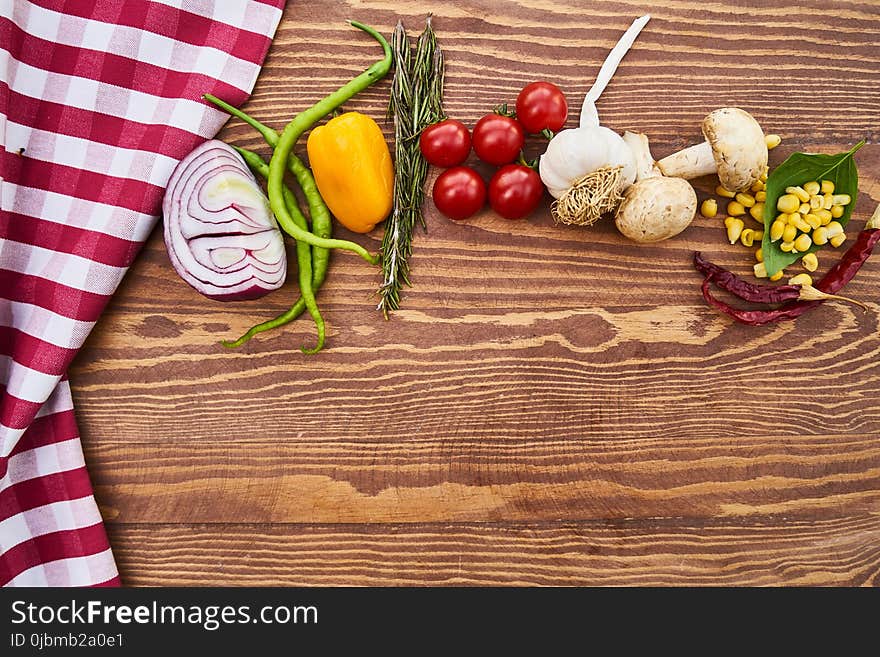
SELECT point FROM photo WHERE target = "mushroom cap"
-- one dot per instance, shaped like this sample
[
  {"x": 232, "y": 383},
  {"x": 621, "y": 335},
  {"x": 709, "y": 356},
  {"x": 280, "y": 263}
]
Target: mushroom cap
[
  {"x": 738, "y": 147},
  {"x": 656, "y": 209}
]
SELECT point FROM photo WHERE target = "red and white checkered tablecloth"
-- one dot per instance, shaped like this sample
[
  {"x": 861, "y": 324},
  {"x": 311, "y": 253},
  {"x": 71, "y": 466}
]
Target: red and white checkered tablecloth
[{"x": 99, "y": 99}]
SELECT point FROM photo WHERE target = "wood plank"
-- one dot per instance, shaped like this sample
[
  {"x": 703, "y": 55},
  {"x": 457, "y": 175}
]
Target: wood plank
[
  {"x": 473, "y": 478},
  {"x": 813, "y": 553},
  {"x": 630, "y": 371}
]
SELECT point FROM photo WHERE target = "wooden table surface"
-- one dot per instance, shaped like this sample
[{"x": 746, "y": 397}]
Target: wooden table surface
[{"x": 552, "y": 405}]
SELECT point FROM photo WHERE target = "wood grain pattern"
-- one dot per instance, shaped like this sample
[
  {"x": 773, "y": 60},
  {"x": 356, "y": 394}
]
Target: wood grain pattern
[
  {"x": 477, "y": 478},
  {"x": 552, "y": 405},
  {"x": 660, "y": 553}
]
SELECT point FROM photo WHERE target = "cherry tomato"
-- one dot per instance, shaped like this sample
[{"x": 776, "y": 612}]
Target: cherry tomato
[
  {"x": 445, "y": 144},
  {"x": 515, "y": 191},
  {"x": 498, "y": 139},
  {"x": 541, "y": 106},
  {"x": 459, "y": 193}
]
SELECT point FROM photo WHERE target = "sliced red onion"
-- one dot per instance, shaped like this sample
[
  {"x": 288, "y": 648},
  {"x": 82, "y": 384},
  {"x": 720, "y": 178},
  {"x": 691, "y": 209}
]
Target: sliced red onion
[{"x": 220, "y": 233}]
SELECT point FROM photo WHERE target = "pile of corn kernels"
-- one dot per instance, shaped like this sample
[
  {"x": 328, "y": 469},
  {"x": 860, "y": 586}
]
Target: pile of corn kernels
[{"x": 806, "y": 216}]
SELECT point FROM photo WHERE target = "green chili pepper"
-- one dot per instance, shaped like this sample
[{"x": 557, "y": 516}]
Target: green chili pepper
[
  {"x": 318, "y": 265},
  {"x": 299, "y": 230},
  {"x": 284, "y": 158},
  {"x": 322, "y": 223}
]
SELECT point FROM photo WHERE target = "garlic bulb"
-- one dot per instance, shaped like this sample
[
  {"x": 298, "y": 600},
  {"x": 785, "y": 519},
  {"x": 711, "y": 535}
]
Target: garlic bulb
[
  {"x": 576, "y": 152},
  {"x": 586, "y": 169}
]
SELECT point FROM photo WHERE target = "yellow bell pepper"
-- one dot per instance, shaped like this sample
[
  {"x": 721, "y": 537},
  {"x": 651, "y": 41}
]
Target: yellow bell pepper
[{"x": 352, "y": 167}]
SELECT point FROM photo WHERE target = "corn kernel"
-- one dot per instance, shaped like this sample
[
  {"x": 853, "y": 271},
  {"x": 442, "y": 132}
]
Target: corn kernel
[
  {"x": 722, "y": 191},
  {"x": 759, "y": 255},
  {"x": 786, "y": 247},
  {"x": 761, "y": 196},
  {"x": 803, "y": 243},
  {"x": 828, "y": 201},
  {"x": 788, "y": 203},
  {"x": 709, "y": 208},
  {"x": 792, "y": 219},
  {"x": 758, "y": 186},
  {"x": 841, "y": 199},
  {"x": 745, "y": 200},
  {"x": 759, "y": 235},
  {"x": 827, "y": 187},
  {"x": 810, "y": 262},
  {"x": 820, "y": 236},
  {"x": 734, "y": 228},
  {"x": 812, "y": 221},
  {"x": 776, "y": 230},
  {"x": 778, "y": 275},
  {"x": 790, "y": 233},
  {"x": 800, "y": 192},
  {"x": 836, "y": 211},
  {"x": 735, "y": 209},
  {"x": 747, "y": 237},
  {"x": 760, "y": 270},
  {"x": 801, "y": 279},
  {"x": 824, "y": 215},
  {"x": 816, "y": 202},
  {"x": 772, "y": 141},
  {"x": 812, "y": 188},
  {"x": 757, "y": 212},
  {"x": 834, "y": 228},
  {"x": 837, "y": 240},
  {"x": 802, "y": 225}
]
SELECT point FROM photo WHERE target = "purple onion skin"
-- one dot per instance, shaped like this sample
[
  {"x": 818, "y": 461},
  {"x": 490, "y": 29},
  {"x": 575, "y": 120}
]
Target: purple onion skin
[
  {"x": 221, "y": 236},
  {"x": 249, "y": 294}
]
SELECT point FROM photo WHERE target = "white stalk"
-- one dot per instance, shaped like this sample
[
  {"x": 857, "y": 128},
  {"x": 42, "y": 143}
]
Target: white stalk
[
  {"x": 641, "y": 150},
  {"x": 692, "y": 162},
  {"x": 589, "y": 114}
]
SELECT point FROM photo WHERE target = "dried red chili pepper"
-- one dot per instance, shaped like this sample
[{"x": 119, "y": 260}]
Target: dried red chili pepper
[
  {"x": 848, "y": 266},
  {"x": 790, "y": 310},
  {"x": 836, "y": 278},
  {"x": 729, "y": 281}
]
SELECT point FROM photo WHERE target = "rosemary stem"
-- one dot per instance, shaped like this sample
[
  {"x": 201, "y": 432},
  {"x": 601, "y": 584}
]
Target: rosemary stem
[{"x": 416, "y": 102}]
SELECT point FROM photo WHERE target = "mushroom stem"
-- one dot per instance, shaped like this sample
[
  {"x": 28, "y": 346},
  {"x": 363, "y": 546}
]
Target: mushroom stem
[
  {"x": 690, "y": 163},
  {"x": 646, "y": 167},
  {"x": 733, "y": 146}
]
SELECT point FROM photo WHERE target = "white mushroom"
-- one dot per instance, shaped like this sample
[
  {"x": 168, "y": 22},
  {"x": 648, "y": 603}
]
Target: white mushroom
[
  {"x": 734, "y": 148},
  {"x": 656, "y": 207}
]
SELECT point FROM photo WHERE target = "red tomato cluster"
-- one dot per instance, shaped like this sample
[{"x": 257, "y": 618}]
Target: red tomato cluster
[{"x": 515, "y": 190}]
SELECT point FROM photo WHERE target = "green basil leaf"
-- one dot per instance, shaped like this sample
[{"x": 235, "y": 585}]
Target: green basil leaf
[{"x": 798, "y": 169}]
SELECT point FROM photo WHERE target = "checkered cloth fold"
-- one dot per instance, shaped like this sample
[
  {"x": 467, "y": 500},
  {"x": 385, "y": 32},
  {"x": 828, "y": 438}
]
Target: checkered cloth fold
[{"x": 99, "y": 100}]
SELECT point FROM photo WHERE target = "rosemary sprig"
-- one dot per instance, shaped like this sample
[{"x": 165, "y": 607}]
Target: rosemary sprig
[{"x": 416, "y": 102}]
